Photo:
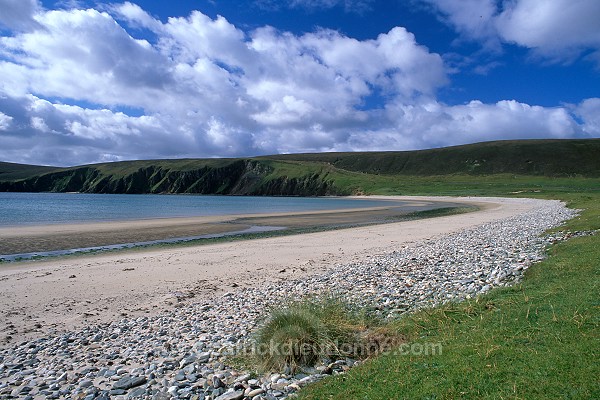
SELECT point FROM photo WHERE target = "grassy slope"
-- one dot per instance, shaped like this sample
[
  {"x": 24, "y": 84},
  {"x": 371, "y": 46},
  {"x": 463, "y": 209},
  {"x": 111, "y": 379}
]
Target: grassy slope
[
  {"x": 523, "y": 157},
  {"x": 547, "y": 160},
  {"x": 12, "y": 171},
  {"x": 537, "y": 340},
  {"x": 186, "y": 164}
]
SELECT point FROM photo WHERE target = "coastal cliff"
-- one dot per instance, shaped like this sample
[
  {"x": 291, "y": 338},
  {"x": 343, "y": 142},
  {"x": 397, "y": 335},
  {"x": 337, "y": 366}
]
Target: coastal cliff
[
  {"x": 236, "y": 177},
  {"x": 550, "y": 161}
]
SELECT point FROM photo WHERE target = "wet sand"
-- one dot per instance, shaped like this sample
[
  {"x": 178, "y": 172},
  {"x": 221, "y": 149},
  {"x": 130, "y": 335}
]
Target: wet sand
[
  {"x": 29, "y": 239},
  {"x": 46, "y": 296}
]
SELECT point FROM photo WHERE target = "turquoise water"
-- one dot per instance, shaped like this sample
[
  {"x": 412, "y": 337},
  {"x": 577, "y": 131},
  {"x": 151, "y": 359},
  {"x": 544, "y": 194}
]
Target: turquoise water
[{"x": 55, "y": 208}]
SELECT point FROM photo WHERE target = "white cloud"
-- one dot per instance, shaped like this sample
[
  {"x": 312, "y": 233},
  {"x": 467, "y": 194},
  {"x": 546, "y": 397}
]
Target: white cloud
[
  {"x": 434, "y": 124},
  {"x": 19, "y": 14},
  {"x": 136, "y": 16},
  {"x": 324, "y": 77},
  {"x": 5, "y": 121},
  {"x": 207, "y": 88},
  {"x": 43, "y": 132},
  {"x": 199, "y": 36},
  {"x": 39, "y": 124},
  {"x": 470, "y": 17},
  {"x": 589, "y": 113},
  {"x": 558, "y": 30},
  {"x": 394, "y": 61},
  {"x": 84, "y": 55},
  {"x": 477, "y": 121}
]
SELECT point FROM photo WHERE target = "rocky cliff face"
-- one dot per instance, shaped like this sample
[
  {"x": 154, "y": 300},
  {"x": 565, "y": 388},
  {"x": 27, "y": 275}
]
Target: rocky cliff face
[
  {"x": 240, "y": 177},
  {"x": 311, "y": 185}
]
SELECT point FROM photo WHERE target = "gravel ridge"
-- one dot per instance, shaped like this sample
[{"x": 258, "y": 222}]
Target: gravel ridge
[{"x": 182, "y": 353}]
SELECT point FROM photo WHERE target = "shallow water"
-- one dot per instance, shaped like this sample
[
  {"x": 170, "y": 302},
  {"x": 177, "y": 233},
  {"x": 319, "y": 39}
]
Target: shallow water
[
  {"x": 57, "y": 208},
  {"x": 53, "y": 253}
]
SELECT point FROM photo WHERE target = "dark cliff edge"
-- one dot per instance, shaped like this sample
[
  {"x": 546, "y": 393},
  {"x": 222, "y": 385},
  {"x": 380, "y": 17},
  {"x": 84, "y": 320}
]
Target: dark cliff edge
[
  {"x": 319, "y": 174},
  {"x": 237, "y": 177}
]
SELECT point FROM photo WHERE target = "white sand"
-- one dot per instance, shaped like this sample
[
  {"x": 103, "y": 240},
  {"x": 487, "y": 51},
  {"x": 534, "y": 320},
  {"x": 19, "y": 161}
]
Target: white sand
[{"x": 38, "y": 297}]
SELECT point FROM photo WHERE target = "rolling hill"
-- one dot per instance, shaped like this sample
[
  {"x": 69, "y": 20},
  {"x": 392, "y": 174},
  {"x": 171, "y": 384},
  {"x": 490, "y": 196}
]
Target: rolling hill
[{"x": 313, "y": 174}]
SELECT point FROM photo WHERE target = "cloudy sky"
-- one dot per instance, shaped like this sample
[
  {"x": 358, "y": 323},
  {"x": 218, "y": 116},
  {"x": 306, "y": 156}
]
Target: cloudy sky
[{"x": 94, "y": 81}]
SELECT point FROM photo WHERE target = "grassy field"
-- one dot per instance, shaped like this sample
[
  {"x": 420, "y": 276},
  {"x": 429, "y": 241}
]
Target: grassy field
[{"x": 537, "y": 340}]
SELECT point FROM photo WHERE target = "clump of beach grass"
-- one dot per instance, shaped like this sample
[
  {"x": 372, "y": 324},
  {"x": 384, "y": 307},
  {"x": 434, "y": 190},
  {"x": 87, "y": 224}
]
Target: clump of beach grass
[{"x": 314, "y": 330}]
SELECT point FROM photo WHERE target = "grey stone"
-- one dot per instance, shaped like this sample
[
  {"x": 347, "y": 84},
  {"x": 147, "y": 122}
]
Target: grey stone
[
  {"x": 179, "y": 377},
  {"x": 231, "y": 395},
  {"x": 139, "y": 392},
  {"x": 217, "y": 382},
  {"x": 128, "y": 382},
  {"x": 85, "y": 383},
  {"x": 161, "y": 396},
  {"x": 255, "y": 392},
  {"x": 203, "y": 357}
]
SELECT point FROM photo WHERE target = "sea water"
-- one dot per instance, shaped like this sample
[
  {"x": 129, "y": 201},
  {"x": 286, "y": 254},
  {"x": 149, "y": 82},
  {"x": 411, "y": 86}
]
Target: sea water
[{"x": 17, "y": 209}]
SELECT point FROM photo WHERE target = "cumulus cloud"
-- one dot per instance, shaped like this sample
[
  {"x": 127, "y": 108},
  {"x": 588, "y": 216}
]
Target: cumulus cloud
[
  {"x": 5, "y": 121},
  {"x": 82, "y": 88},
  {"x": 136, "y": 16},
  {"x": 589, "y": 112},
  {"x": 558, "y": 30},
  {"x": 476, "y": 121},
  {"x": 19, "y": 15},
  {"x": 471, "y": 17},
  {"x": 83, "y": 55}
]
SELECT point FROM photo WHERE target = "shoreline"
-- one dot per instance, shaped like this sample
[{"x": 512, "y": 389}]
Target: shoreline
[
  {"x": 31, "y": 239},
  {"x": 42, "y": 255},
  {"x": 53, "y": 295}
]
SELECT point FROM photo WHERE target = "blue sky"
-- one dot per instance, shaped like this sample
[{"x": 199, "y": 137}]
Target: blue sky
[{"x": 92, "y": 81}]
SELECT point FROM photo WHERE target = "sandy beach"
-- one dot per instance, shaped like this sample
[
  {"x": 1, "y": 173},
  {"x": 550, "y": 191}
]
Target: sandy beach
[{"x": 58, "y": 294}]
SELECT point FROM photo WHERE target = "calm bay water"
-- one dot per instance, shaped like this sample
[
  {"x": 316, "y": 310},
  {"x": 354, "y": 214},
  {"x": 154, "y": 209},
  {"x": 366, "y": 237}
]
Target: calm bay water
[{"x": 55, "y": 208}]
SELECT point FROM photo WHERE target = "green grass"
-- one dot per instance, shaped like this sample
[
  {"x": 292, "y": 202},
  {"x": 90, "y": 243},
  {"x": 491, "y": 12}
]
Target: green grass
[
  {"x": 537, "y": 340},
  {"x": 456, "y": 184},
  {"x": 523, "y": 157},
  {"x": 463, "y": 185},
  {"x": 12, "y": 171}
]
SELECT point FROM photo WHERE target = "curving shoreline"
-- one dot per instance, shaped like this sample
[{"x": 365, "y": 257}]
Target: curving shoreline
[
  {"x": 66, "y": 236},
  {"x": 434, "y": 260}
]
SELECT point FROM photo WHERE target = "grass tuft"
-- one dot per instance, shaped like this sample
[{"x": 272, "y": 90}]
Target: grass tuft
[{"x": 312, "y": 331}]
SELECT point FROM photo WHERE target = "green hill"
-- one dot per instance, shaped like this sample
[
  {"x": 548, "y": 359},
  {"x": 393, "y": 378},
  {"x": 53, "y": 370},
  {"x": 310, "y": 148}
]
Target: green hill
[
  {"x": 12, "y": 171},
  {"x": 316, "y": 174},
  {"x": 523, "y": 157}
]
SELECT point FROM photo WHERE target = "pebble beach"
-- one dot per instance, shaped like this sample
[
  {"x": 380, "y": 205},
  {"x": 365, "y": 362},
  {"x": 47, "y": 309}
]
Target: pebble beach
[{"x": 182, "y": 353}]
